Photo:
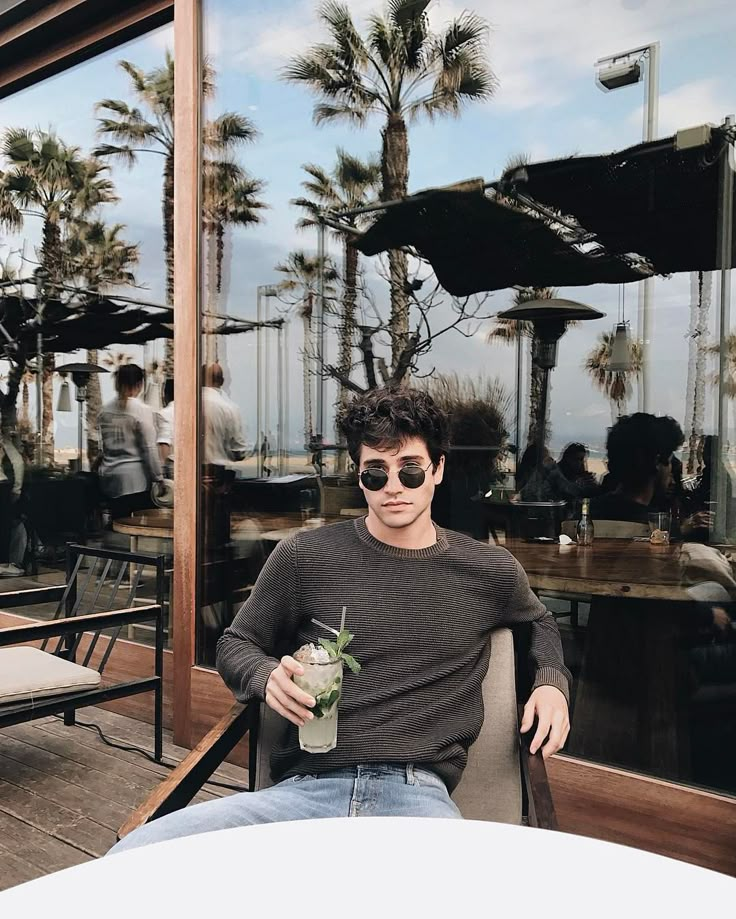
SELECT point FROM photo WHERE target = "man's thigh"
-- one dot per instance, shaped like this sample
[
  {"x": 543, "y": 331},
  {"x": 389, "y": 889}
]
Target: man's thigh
[{"x": 298, "y": 798}]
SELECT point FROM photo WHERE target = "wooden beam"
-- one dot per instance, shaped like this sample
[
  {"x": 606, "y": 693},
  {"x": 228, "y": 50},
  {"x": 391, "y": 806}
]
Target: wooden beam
[
  {"x": 635, "y": 810},
  {"x": 40, "y": 40},
  {"x": 186, "y": 356}
]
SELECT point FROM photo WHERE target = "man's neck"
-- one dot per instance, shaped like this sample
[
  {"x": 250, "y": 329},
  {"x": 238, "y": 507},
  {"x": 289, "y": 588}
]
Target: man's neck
[
  {"x": 419, "y": 535},
  {"x": 640, "y": 496}
]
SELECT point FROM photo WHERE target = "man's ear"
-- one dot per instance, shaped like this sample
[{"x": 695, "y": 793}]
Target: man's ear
[{"x": 439, "y": 471}]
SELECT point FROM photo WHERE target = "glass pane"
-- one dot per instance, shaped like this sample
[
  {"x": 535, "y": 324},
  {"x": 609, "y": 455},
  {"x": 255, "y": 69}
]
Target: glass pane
[
  {"x": 84, "y": 268},
  {"x": 543, "y": 400}
]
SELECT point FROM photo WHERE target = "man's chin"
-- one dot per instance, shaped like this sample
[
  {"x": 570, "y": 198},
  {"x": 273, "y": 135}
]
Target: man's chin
[{"x": 399, "y": 518}]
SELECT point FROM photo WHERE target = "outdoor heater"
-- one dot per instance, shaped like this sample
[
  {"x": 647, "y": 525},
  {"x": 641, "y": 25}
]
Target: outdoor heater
[
  {"x": 549, "y": 318},
  {"x": 80, "y": 374}
]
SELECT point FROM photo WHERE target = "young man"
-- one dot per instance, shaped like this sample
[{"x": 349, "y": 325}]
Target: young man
[{"x": 421, "y": 602}]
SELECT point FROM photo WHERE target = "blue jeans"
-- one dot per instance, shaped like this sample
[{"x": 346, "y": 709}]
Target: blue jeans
[{"x": 377, "y": 790}]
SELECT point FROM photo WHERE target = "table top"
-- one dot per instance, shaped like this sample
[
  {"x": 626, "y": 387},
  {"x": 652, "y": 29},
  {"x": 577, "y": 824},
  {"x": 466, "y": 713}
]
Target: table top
[
  {"x": 379, "y": 866},
  {"x": 610, "y": 567},
  {"x": 159, "y": 522}
]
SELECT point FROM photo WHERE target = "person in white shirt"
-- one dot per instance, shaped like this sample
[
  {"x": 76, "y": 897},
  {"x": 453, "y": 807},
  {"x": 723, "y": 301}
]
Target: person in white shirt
[
  {"x": 130, "y": 460},
  {"x": 224, "y": 442},
  {"x": 165, "y": 424}
]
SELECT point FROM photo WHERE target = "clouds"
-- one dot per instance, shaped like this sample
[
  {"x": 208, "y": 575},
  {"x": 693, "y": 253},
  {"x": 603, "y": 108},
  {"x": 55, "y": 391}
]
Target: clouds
[{"x": 690, "y": 104}]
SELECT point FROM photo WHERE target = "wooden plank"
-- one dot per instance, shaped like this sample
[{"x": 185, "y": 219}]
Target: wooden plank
[
  {"x": 15, "y": 870},
  {"x": 635, "y": 810},
  {"x": 187, "y": 231},
  {"x": 82, "y": 832},
  {"x": 39, "y": 848},
  {"x": 81, "y": 801}
]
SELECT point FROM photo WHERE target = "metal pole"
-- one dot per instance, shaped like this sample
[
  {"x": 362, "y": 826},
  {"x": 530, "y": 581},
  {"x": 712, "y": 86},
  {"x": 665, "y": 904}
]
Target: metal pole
[
  {"x": 280, "y": 398},
  {"x": 519, "y": 354},
  {"x": 724, "y": 262},
  {"x": 39, "y": 399},
  {"x": 80, "y": 428},
  {"x": 287, "y": 420},
  {"x": 266, "y": 373},
  {"x": 320, "y": 322},
  {"x": 646, "y": 287},
  {"x": 259, "y": 371}
]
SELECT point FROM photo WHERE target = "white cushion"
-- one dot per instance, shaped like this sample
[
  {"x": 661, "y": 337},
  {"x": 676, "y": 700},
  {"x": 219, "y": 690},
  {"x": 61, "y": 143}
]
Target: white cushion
[{"x": 29, "y": 672}]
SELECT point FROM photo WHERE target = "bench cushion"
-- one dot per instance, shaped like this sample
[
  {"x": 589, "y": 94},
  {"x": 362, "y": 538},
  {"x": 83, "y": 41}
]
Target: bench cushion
[{"x": 27, "y": 672}]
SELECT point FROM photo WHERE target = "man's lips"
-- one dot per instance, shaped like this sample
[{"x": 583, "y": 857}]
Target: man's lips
[{"x": 396, "y": 504}]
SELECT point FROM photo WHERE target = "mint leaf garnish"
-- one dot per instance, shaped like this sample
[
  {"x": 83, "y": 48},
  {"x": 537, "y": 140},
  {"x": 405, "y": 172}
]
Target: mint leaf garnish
[{"x": 351, "y": 662}]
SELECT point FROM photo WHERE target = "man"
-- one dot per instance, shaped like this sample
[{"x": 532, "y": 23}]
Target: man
[
  {"x": 421, "y": 602},
  {"x": 223, "y": 440},
  {"x": 640, "y": 448}
]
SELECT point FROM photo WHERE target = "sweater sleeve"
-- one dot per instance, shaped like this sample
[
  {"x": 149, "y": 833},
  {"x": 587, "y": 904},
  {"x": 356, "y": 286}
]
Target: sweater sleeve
[
  {"x": 545, "y": 648},
  {"x": 246, "y": 651}
]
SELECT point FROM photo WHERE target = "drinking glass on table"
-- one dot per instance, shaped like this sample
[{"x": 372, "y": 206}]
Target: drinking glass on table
[{"x": 660, "y": 523}]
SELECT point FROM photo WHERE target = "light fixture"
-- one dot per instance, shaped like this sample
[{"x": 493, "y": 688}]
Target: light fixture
[
  {"x": 64, "y": 402},
  {"x": 620, "y": 358},
  {"x": 618, "y": 74},
  {"x": 549, "y": 318}
]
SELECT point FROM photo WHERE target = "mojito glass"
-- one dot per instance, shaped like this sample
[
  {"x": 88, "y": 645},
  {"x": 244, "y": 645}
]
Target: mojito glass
[{"x": 322, "y": 679}]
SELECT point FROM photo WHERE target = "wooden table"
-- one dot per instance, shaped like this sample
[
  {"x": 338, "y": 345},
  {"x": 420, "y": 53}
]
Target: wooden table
[
  {"x": 383, "y": 866},
  {"x": 631, "y": 705}
]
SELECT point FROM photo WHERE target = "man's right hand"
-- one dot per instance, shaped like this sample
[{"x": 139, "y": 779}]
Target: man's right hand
[{"x": 285, "y": 697}]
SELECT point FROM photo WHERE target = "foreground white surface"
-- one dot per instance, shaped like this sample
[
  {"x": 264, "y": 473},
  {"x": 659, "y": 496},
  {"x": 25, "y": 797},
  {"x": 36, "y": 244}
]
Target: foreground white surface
[{"x": 382, "y": 867}]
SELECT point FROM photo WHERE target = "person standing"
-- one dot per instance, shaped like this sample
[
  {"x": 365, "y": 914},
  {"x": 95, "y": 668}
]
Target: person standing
[
  {"x": 223, "y": 432},
  {"x": 130, "y": 461}
]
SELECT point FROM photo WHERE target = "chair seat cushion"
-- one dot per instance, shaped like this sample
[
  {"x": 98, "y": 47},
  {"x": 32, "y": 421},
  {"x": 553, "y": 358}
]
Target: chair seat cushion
[{"x": 29, "y": 672}]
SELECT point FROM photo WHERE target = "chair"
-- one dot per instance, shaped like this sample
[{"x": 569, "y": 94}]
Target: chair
[
  {"x": 36, "y": 682},
  {"x": 500, "y": 782}
]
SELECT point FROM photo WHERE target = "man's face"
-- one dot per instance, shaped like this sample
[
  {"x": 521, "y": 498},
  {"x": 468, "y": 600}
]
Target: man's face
[{"x": 395, "y": 505}]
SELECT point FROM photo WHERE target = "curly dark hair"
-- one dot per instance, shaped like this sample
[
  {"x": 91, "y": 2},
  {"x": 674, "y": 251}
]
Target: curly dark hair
[
  {"x": 636, "y": 443},
  {"x": 385, "y": 418}
]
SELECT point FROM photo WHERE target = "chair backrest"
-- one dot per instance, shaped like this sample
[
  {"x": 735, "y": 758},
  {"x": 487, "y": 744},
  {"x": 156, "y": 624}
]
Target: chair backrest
[
  {"x": 609, "y": 529},
  {"x": 102, "y": 580},
  {"x": 490, "y": 788}
]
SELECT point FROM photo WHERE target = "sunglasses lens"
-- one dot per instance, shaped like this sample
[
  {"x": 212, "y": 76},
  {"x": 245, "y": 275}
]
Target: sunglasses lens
[
  {"x": 412, "y": 476},
  {"x": 373, "y": 479}
]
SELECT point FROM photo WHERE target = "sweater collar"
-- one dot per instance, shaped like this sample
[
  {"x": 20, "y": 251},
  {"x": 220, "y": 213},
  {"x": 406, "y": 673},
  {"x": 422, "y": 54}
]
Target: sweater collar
[{"x": 441, "y": 546}]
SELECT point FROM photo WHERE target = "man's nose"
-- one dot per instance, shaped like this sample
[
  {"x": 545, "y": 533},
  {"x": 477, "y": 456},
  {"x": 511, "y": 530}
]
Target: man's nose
[{"x": 394, "y": 485}]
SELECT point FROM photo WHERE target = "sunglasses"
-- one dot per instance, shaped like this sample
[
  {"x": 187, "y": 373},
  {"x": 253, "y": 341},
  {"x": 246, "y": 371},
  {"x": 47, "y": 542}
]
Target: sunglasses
[{"x": 411, "y": 476}]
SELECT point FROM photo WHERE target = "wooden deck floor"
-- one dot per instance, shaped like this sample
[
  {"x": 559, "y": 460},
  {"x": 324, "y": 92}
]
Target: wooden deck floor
[{"x": 64, "y": 793}]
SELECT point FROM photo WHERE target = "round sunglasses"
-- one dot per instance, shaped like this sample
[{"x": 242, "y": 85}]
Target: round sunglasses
[{"x": 411, "y": 476}]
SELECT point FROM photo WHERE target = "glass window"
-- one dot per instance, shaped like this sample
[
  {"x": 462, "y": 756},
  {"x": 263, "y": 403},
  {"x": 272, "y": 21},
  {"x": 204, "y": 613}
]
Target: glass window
[
  {"x": 86, "y": 198},
  {"x": 310, "y": 293}
]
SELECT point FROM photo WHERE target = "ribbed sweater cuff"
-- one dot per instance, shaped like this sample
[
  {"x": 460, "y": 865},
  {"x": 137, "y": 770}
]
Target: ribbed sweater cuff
[
  {"x": 549, "y": 676},
  {"x": 260, "y": 678}
]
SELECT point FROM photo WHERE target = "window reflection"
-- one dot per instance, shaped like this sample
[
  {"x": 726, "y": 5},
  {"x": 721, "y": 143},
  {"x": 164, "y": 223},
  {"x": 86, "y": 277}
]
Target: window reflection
[
  {"x": 327, "y": 287},
  {"x": 85, "y": 308}
]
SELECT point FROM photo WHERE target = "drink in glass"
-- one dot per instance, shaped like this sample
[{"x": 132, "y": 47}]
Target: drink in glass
[
  {"x": 659, "y": 527},
  {"x": 322, "y": 679}
]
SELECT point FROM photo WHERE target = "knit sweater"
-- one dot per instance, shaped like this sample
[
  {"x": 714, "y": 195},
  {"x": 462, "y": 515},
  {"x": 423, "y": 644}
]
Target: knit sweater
[{"x": 421, "y": 620}]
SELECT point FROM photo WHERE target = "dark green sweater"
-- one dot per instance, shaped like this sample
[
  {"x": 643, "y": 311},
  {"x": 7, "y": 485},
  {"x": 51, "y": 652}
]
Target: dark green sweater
[{"x": 421, "y": 620}]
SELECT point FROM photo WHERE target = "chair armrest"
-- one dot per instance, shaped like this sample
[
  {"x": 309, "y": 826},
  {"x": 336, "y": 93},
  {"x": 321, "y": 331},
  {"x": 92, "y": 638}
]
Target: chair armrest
[
  {"x": 190, "y": 775},
  {"x": 92, "y": 622},
  {"x": 541, "y": 808},
  {"x": 11, "y": 599}
]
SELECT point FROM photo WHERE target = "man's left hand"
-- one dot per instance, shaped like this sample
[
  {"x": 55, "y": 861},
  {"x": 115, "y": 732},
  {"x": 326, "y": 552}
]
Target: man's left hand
[{"x": 550, "y": 707}]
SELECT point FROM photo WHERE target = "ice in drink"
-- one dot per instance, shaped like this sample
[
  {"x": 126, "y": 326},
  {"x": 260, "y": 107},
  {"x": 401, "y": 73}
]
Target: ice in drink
[{"x": 322, "y": 679}]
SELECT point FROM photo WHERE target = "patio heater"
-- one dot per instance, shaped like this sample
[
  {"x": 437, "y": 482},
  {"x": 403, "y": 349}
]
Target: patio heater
[
  {"x": 80, "y": 374},
  {"x": 549, "y": 319}
]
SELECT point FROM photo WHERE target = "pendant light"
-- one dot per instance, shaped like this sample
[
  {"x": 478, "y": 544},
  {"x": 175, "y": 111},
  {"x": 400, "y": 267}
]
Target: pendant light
[
  {"x": 619, "y": 360},
  {"x": 64, "y": 403}
]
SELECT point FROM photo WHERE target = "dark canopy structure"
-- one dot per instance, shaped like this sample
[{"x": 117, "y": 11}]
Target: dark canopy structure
[{"x": 650, "y": 209}]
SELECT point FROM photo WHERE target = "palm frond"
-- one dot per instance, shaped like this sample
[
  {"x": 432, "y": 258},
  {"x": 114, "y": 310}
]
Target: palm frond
[{"x": 228, "y": 130}]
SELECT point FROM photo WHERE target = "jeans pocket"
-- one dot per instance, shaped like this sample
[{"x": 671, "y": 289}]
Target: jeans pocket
[
  {"x": 426, "y": 779},
  {"x": 295, "y": 779}
]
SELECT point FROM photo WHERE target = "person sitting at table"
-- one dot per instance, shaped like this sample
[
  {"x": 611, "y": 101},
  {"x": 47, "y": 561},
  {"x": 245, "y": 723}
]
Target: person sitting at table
[
  {"x": 421, "y": 602},
  {"x": 130, "y": 461},
  {"x": 546, "y": 482},
  {"x": 640, "y": 448},
  {"x": 573, "y": 466}
]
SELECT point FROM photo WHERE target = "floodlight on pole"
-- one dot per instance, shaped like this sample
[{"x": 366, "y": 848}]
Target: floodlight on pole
[{"x": 613, "y": 72}]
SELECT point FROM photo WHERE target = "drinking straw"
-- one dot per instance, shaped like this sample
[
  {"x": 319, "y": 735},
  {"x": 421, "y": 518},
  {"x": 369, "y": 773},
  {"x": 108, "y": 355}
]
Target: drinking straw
[
  {"x": 342, "y": 619},
  {"x": 328, "y": 627}
]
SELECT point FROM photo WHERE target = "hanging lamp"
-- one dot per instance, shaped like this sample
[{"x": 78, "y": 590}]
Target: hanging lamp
[{"x": 64, "y": 402}]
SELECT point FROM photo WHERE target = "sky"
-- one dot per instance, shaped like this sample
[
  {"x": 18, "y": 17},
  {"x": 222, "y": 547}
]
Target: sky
[{"x": 546, "y": 105}]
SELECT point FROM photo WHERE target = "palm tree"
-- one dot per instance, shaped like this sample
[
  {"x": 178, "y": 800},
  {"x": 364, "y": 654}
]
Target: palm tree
[
  {"x": 506, "y": 332},
  {"x": 101, "y": 259},
  {"x": 614, "y": 384},
  {"x": 303, "y": 278},
  {"x": 52, "y": 180},
  {"x": 150, "y": 129},
  {"x": 400, "y": 71},
  {"x": 351, "y": 184},
  {"x": 116, "y": 359}
]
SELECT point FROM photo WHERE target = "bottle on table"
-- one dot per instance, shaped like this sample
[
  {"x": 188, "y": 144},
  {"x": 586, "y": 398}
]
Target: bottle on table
[{"x": 585, "y": 530}]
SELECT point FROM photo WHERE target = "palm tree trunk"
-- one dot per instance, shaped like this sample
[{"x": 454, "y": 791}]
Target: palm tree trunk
[
  {"x": 94, "y": 406},
  {"x": 51, "y": 261},
  {"x": 536, "y": 391},
  {"x": 8, "y": 403},
  {"x": 168, "y": 214},
  {"x": 307, "y": 378},
  {"x": 210, "y": 342},
  {"x": 347, "y": 332},
  {"x": 395, "y": 174}
]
